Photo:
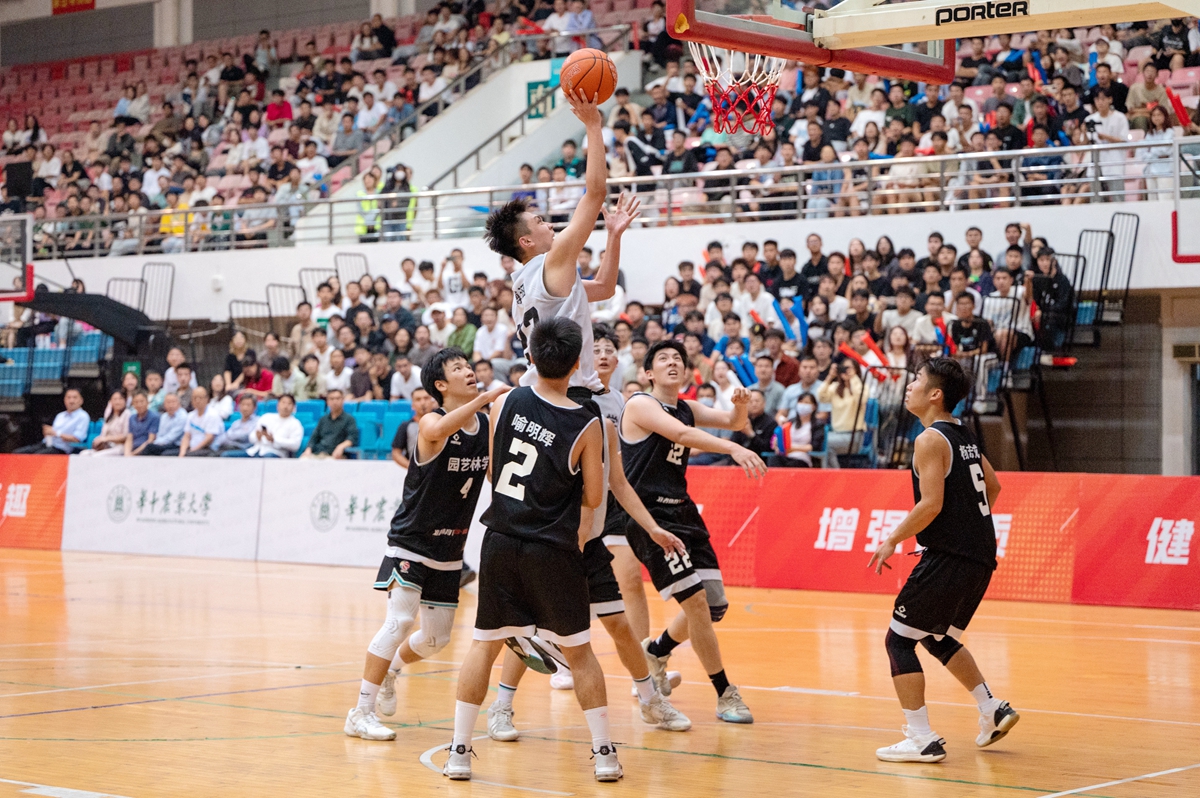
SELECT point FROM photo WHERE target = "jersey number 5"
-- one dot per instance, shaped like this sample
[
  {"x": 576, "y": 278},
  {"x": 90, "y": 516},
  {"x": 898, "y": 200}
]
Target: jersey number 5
[
  {"x": 517, "y": 468},
  {"x": 981, "y": 486}
]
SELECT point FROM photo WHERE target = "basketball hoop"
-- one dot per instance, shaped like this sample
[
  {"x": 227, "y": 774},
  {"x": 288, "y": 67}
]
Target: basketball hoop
[{"x": 742, "y": 103}]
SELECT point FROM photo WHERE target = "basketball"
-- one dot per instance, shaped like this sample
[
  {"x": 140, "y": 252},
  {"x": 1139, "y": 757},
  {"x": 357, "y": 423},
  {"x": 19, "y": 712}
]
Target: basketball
[{"x": 590, "y": 70}]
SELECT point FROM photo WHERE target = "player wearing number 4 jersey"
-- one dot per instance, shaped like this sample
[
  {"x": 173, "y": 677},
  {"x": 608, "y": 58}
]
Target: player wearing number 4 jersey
[
  {"x": 547, "y": 476},
  {"x": 422, "y": 567},
  {"x": 658, "y": 432},
  {"x": 955, "y": 488}
]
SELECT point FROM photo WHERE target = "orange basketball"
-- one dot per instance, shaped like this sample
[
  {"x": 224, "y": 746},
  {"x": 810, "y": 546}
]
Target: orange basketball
[{"x": 590, "y": 70}]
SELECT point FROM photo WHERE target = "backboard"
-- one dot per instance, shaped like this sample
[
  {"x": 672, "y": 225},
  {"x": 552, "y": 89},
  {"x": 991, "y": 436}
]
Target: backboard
[
  {"x": 16, "y": 258},
  {"x": 785, "y": 32}
]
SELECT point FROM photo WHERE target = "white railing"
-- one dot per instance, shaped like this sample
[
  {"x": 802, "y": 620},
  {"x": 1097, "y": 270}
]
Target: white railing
[{"x": 810, "y": 191}]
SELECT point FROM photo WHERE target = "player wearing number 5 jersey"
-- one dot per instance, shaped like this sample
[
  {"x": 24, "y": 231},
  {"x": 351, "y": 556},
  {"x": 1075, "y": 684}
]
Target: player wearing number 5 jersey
[
  {"x": 548, "y": 478},
  {"x": 955, "y": 488},
  {"x": 658, "y": 432},
  {"x": 548, "y": 283},
  {"x": 422, "y": 567}
]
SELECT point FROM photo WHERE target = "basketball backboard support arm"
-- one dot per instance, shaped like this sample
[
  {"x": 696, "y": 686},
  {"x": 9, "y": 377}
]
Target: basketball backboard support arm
[
  {"x": 789, "y": 39},
  {"x": 857, "y": 24}
]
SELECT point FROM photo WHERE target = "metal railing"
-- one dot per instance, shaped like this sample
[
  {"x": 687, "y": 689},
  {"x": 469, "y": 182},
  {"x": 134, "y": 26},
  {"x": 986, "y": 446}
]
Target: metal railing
[
  {"x": 489, "y": 64},
  {"x": 949, "y": 182}
]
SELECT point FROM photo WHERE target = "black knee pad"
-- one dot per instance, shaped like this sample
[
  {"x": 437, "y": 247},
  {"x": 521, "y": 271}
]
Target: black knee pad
[
  {"x": 717, "y": 613},
  {"x": 718, "y": 605},
  {"x": 943, "y": 649},
  {"x": 902, "y": 654}
]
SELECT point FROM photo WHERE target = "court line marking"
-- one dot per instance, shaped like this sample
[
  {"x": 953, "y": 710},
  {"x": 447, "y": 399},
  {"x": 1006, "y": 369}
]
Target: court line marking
[
  {"x": 975, "y": 632},
  {"x": 59, "y": 792},
  {"x": 1144, "y": 776},
  {"x": 426, "y": 759}
]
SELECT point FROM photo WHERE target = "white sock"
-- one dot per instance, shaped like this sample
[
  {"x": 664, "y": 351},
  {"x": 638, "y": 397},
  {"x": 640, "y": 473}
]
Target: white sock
[
  {"x": 464, "y": 722},
  {"x": 505, "y": 695},
  {"x": 597, "y": 721},
  {"x": 987, "y": 702},
  {"x": 366, "y": 696},
  {"x": 645, "y": 688},
  {"x": 918, "y": 720},
  {"x": 397, "y": 663}
]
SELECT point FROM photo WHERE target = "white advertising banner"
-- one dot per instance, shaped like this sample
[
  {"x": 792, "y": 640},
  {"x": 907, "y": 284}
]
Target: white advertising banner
[
  {"x": 332, "y": 513},
  {"x": 189, "y": 507}
]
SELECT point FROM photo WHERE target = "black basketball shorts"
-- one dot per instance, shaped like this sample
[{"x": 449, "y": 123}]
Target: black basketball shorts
[
  {"x": 674, "y": 575},
  {"x": 527, "y": 587},
  {"x": 438, "y": 587},
  {"x": 604, "y": 594},
  {"x": 614, "y": 526},
  {"x": 940, "y": 596}
]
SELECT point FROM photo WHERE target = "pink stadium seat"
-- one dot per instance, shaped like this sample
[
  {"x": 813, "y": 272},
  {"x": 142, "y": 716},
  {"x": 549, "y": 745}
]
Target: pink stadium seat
[
  {"x": 1185, "y": 77},
  {"x": 622, "y": 5},
  {"x": 978, "y": 93},
  {"x": 1137, "y": 54}
]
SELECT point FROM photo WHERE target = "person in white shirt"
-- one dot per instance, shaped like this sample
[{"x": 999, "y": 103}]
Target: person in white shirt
[
  {"x": 877, "y": 113},
  {"x": 959, "y": 285},
  {"x": 321, "y": 349},
  {"x": 432, "y": 84},
  {"x": 338, "y": 376},
  {"x": 559, "y": 21},
  {"x": 609, "y": 310},
  {"x": 925, "y": 336},
  {"x": 957, "y": 98},
  {"x": 254, "y": 150},
  {"x": 405, "y": 379},
  {"x": 491, "y": 340},
  {"x": 1007, "y": 310},
  {"x": 175, "y": 359},
  {"x": 485, "y": 376},
  {"x": 325, "y": 307},
  {"x": 70, "y": 428},
  {"x": 754, "y": 298},
  {"x": 383, "y": 88},
  {"x": 439, "y": 329},
  {"x": 1110, "y": 127},
  {"x": 453, "y": 281},
  {"x": 313, "y": 167},
  {"x": 903, "y": 315},
  {"x": 203, "y": 191},
  {"x": 371, "y": 115},
  {"x": 279, "y": 434},
  {"x": 205, "y": 430}
]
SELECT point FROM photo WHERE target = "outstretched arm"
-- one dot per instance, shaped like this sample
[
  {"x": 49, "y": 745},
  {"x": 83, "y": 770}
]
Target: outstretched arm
[
  {"x": 735, "y": 419},
  {"x": 628, "y": 499},
  {"x": 434, "y": 428},
  {"x": 559, "y": 269},
  {"x": 617, "y": 221},
  {"x": 645, "y": 413}
]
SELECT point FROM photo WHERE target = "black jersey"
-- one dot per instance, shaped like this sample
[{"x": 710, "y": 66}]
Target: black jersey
[
  {"x": 964, "y": 525},
  {"x": 657, "y": 467},
  {"x": 536, "y": 492},
  {"x": 440, "y": 497}
]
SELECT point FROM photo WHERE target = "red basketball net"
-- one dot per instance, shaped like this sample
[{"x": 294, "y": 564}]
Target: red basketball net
[{"x": 741, "y": 103}]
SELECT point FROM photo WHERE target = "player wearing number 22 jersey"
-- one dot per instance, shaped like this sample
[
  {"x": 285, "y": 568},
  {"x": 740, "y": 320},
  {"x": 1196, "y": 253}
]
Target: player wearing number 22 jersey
[{"x": 954, "y": 488}]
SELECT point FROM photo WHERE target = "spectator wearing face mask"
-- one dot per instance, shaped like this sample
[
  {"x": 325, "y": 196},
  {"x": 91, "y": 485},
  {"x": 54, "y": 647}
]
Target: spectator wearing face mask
[{"x": 801, "y": 436}]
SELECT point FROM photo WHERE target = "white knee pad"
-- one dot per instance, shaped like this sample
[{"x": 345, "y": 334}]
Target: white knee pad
[
  {"x": 434, "y": 634},
  {"x": 401, "y": 614}
]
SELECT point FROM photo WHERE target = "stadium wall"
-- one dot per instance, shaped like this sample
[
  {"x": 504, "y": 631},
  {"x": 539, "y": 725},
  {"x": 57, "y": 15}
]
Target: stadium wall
[{"x": 1066, "y": 538}]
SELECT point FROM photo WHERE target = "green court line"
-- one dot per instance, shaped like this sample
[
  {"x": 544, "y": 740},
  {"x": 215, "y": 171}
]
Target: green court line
[{"x": 815, "y": 766}]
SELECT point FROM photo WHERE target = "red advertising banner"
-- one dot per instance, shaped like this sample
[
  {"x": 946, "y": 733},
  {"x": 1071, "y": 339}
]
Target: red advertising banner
[
  {"x": 71, "y": 6},
  {"x": 33, "y": 491},
  {"x": 1104, "y": 539}
]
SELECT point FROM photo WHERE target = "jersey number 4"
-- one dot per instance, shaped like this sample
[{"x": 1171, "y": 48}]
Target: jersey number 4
[
  {"x": 981, "y": 486},
  {"x": 515, "y": 469}
]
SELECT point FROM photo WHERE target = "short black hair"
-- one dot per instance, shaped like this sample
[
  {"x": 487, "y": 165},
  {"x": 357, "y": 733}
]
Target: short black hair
[
  {"x": 280, "y": 363},
  {"x": 660, "y": 346},
  {"x": 965, "y": 271},
  {"x": 774, "y": 333},
  {"x": 606, "y": 333},
  {"x": 554, "y": 347},
  {"x": 907, "y": 291},
  {"x": 860, "y": 292},
  {"x": 505, "y": 226},
  {"x": 948, "y": 375},
  {"x": 435, "y": 369}
]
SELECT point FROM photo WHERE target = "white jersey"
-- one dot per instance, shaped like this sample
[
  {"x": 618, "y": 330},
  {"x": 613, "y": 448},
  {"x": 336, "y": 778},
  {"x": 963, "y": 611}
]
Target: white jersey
[
  {"x": 532, "y": 302},
  {"x": 611, "y": 404}
]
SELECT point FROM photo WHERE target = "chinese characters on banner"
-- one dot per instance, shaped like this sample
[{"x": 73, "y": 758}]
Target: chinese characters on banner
[
  {"x": 71, "y": 6},
  {"x": 32, "y": 490}
]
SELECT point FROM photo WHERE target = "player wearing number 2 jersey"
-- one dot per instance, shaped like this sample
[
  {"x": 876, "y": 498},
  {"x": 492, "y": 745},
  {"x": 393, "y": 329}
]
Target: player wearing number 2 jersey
[
  {"x": 658, "y": 431},
  {"x": 548, "y": 284},
  {"x": 955, "y": 488},
  {"x": 421, "y": 569},
  {"x": 547, "y": 477}
]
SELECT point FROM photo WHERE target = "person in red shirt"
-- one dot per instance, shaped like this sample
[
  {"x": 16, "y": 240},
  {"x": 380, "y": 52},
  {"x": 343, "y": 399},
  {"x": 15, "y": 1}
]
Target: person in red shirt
[
  {"x": 787, "y": 368},
  {"x": 279, "y": 110},
  {"x": 256, "y": 380}
]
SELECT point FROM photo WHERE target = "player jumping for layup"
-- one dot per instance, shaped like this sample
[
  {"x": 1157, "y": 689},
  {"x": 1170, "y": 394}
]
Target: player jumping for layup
[
  {"x": 548, "y": 283},
  {"x": 605, "y": 594},
  {"x": 658, "y": 432},
  {"x": 423, "y": 564},
  {"x": 955, "y": 488},
  {"x": 547, "y": 480}
]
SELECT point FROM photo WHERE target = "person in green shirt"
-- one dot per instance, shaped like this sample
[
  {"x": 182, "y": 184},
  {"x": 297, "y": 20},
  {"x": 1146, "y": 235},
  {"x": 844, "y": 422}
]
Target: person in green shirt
[
  {"x": 335, "y": 433},
  {"x": 899, "y": 108},
  {"x": 464, "y": 336}
]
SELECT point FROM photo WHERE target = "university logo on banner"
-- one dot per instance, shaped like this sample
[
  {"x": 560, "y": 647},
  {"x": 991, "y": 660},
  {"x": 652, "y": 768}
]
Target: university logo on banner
[
  {"x": 32, "y": 492},
  {"x": 155, "y": 503}
]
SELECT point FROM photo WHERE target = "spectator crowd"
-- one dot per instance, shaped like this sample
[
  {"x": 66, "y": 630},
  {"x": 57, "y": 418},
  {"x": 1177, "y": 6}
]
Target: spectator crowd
[{"x": 819, "y": 335}]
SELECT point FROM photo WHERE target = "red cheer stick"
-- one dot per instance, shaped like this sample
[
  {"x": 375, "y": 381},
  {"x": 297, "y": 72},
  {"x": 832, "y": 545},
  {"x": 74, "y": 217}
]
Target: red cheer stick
[{"x": 845, "y": 349}]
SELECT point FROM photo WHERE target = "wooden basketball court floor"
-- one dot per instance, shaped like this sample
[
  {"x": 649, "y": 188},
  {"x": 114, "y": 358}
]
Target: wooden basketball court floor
[{"x": 143, "y": 676}]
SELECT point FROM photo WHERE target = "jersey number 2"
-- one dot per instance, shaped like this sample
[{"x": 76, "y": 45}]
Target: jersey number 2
[
  {"x": 675, "y": 455},
  {"x": 515, "y": 468},
  {"x": 981, "y": 486}
]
